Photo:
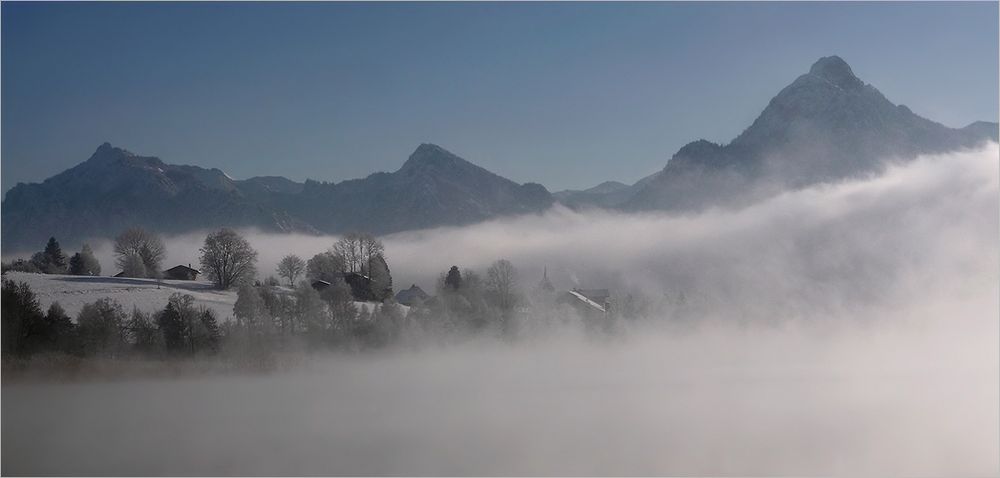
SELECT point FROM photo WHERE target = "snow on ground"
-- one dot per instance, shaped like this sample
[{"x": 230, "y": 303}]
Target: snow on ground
[{"x": 72, "y": 292}]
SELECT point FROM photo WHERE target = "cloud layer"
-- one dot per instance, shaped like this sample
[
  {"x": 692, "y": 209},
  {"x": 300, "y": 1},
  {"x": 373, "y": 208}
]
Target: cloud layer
[{"x": 843, "y": 329}]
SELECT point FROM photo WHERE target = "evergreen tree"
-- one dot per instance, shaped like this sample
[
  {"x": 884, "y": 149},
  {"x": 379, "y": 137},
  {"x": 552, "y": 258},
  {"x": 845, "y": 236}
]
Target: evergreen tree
[
  {"x": 55, "y": 260},
  {"x": 454, "y": 278},
  {"x": 208, "y": 339},
  {"x": 84, "y": 263},
  {"x": 171, "y": 326},
  {"x": 20, "y": 313},
  {"x": 58, "y": 330},
  {"x": 381, "y": 277}
]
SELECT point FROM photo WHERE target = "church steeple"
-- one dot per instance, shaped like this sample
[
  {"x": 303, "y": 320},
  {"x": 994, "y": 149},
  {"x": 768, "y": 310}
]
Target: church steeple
[{"x": 545, "y": 284}]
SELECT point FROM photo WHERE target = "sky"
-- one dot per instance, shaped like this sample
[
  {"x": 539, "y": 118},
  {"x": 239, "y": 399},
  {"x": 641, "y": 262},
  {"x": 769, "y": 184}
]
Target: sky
[{"x": 565, "y": 94}]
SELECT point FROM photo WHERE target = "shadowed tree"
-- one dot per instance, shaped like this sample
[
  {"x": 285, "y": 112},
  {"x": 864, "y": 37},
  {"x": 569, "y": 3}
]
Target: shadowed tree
[
  {"x": 20, "y": 314},
  {"x": 101, "y": 327},
  {"x": 228, "y": 258}
]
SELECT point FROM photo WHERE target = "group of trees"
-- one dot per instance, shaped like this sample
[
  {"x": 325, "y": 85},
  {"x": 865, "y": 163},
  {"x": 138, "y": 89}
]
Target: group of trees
[
  {"x": 51, "y": 260},
  {"x": 266, "y": 316},
  {"x": 269, "y": 317},
  {"x": 226, "y": 257},
  {"x": 139, "y": 253},
  {"x": 355, "y": 253},
  {"x": 103, "y": 329},
  {"x": 468, "y": 303}
]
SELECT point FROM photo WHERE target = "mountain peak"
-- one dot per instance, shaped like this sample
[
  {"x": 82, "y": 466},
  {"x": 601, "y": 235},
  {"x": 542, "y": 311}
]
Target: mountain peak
[
  {"x": 835, "y": 70},
  {"x": 429, "y": 155},
  {"x": 427, "y": 148},
  {"x": 106, "y": 152}
]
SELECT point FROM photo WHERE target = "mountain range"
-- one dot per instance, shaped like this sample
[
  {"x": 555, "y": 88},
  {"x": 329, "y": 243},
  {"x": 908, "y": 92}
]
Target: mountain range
[{"x": 826, "y": 125}]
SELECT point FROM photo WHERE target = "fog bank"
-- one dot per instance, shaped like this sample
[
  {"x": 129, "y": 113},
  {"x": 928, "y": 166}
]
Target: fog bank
[
  {"x": 928, "y": 226},
  {"x": 720, "y": 401},
  {"x": 845, "y": 329}
]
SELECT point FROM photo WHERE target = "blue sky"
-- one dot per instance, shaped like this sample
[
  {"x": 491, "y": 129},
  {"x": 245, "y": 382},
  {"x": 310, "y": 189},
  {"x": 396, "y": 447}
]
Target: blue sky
[{"x": 566, "y": 94}]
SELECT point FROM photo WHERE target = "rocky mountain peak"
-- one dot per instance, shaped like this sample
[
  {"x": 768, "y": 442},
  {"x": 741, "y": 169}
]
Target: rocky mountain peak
[
  {"x": 835, "y": 70},
  {"x": 429, "y": 156},
  {"x": 106, "y": 153}
]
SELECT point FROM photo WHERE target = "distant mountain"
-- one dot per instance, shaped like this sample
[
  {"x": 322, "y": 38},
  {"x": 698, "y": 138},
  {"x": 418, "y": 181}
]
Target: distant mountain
[
  {"x": 433, "y": 188},
  {"x": 609, "y": 194},
  {"x": 115, "y": 189},
  {"x": 826, "y": 125}
]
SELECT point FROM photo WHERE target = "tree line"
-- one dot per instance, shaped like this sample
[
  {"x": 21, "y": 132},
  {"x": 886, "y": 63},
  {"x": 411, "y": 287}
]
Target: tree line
[
  {"x": 271, "y": 316},
  {"x": 104, "y": 329}
]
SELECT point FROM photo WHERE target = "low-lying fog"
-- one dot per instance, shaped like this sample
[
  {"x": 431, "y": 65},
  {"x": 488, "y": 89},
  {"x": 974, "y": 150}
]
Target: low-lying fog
[{"x": 843, "y": 329}]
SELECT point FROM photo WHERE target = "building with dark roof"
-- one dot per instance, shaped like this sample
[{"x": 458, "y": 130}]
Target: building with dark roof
[{"x": 411, "y": 296}]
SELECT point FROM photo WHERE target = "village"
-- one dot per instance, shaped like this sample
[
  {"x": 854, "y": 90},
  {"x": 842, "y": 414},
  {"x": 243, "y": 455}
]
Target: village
[{"x": 340, "y": 298}]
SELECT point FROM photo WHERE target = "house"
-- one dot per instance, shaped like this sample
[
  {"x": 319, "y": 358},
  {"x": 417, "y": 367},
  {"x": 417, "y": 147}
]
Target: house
[
  {"x": 411, "y": 296},
  {"x": 590, "y": 303},
  {"x": 362, "y": 287},
  {"x": 597, "y": 295},
  {"x": 320, "y": 284},
  {"x": 181, "y": 272}
]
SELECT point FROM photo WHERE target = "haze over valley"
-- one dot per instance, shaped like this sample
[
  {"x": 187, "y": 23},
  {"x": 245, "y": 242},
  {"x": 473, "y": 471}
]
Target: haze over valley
[{"x": 800, "y": 278}]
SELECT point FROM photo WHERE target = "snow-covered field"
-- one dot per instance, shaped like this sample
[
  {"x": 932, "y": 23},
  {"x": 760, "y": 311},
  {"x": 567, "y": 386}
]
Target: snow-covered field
[{"x": 72, "y": 292}]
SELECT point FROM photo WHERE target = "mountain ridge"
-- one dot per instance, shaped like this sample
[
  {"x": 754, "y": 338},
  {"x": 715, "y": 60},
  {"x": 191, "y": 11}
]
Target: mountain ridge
[
  {"x": 115, "y": 188},
  {"x": 825, "y": 125}
]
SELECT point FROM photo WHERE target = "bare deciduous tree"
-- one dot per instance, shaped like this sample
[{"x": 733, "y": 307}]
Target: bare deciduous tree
[
  {"x": 349, "y": 247},
  {"x": 325, "y": 266},
  {"x": 144, "y": 244},
  {"x": 358, "y": 249},
  {"x": 501, "y": 282},
  {"x": 290, "y": 267},
  {"x": 228, "y": 258}
]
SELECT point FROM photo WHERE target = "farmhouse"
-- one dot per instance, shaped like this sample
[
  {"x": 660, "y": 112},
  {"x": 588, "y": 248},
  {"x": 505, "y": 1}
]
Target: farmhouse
[{"x": 181, "y": 272}]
